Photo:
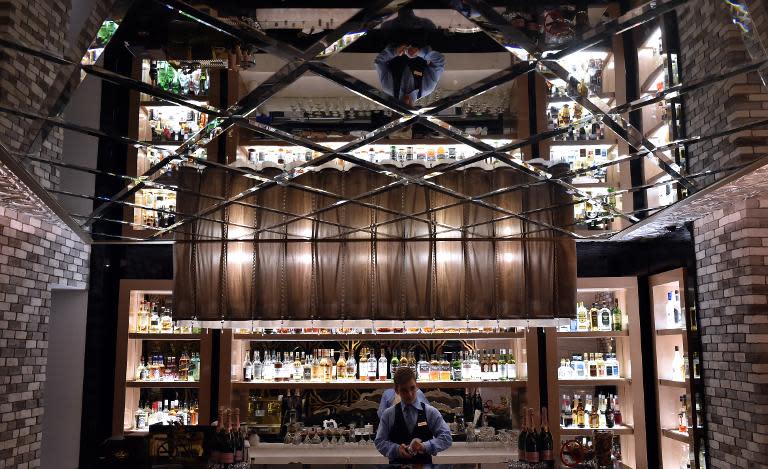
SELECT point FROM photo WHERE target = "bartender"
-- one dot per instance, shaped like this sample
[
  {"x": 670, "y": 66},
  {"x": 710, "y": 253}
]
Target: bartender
[
  {"x": 412, "y": 431},
  {"x": 390, "y": 398}
]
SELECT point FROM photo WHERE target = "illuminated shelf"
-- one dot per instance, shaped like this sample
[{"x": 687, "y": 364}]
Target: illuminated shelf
[
  {"x": 594, "y": 382},
  {"x": 673, "y": 383},
  {"x": 670, "y": 331},
  {"x": 683, "y": 437},
  {"x": 381, "y": 336},
  {"x": 373, "y": 384},
  {"x": 154, "y": 336},
  {"x": 576, "y": 431},
  {"x": 595, "y": 334},
  {"x": 163, "y": 384}
]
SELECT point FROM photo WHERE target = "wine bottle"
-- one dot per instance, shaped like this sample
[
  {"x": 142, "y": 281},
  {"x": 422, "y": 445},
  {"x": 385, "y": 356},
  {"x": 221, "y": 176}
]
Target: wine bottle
[
  {"x": 546, "y": 445},
  {"x": 239, "y": 443},
  {"x": 228, "y": 447},
  {"x": 531, "y": 441},
  {"x": 523, "y": 437},
  {"x": 218, "y": 441}
]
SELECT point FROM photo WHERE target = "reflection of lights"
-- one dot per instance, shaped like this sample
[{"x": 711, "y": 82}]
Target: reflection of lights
[
  {"x": 238, "y": 256},
  {"x": 449, "y": 256},
  {"x": 510, "y": 257}
]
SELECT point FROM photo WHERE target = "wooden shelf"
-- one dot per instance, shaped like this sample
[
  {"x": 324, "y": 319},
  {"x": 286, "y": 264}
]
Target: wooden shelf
[
  {"x": 374, "y": 384},
  {"x": 677, "y": 435},
  {"x": 595, "y": 334},
  {"x": 379, "y": 337},
  {"x": 673, "y": 383},
  {"x": 162, "y": 384},
  {"x": 594, "y": 382},
  {"x": 670, "y": 331},
  {"x": 144, "y": 336},
  {"x": 576, "y": 431}
]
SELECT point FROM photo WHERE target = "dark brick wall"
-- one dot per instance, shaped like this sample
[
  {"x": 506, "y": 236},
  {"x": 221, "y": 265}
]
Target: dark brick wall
[{"x": 731, "y": 243}]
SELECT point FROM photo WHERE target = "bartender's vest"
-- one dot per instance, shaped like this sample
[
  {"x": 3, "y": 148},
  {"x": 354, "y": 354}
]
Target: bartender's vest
[{"x": 400, "y": 434}]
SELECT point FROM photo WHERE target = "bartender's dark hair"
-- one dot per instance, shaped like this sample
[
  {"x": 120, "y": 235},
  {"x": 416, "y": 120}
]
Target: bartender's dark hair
[{"x": 402, "y": 376}]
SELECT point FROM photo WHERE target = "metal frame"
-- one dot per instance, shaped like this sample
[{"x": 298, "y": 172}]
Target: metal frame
[{"x": 313, "y": 60}]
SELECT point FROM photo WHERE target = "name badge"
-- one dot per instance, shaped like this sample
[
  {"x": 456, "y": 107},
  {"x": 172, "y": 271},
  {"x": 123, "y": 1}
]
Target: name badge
[
  {"x": 417, "y": 73},
  {"x": 421, "y": 424}
]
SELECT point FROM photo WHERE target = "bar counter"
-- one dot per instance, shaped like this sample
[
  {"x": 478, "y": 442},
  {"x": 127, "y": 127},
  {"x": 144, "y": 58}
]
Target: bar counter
[{"x": 458, "y": 453}]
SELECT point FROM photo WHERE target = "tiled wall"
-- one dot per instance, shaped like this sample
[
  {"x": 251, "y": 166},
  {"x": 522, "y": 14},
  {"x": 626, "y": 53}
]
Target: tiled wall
[{"x": 731, "y": 242}]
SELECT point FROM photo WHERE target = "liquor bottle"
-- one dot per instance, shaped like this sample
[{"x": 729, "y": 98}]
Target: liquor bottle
[
  {"x": 600, "y": 366},
  {"x": 617, "y": 411},
  {"x": 351, "y": 366},
  {"x": 682, "y": 416},
  {"x": 298, "y": 368},
  {"x": 669, "y": 311},
  {"x": 567, "y": 412},
  {"x": 373, "y": 368},
  {"x": 521, "y": 440},
  {"x": 154, "y": 320},
  {"x": 677, "y": 316},
  {"x": 394, "y": 364},
  {"x": 493, "y": 371},
  {"x": 531, "y": 441},
  {"x": 247, "y": 368},
  {"x": 218, "y": 440},
  {"x": 341, "y": 367},
  {"x": 617, "y": 316},
  {"x": 203, "y": 81},
  {"x": 502, "y": 365},
  {"x": 383, "y": 365},
  {"x": 466, "y": 367},
  {"x": 593, "y": 317},
  {"x": 601, "y": 405},
  {"x": 306, "y": 368},
  {"x": 580, "y": 413},
  {"x": 445, "y": 369},
  {"x": 562, "y": 370},
  {"x": 485, "y": 366},
  {"x": 227, "y": 446},
  {"x": 364, "y": 365},
  {"x": 591, "y": 365},
  {"x": 609, "y": 413},
  {"x": 423, "y": 369},
  {"x": 278, "y": 366},
  {"x": 545, "y": 443},
  {"x": 594, "y": 415},
  {"x": 332, "y": 365},
  {"x": 434, "y": 369},
  {"x": 678, "y": 366},
  {"x": 582, "y": 318},
  {"x": 511, "y": 368},
  {"x": 142, "y": 318},
  {"x": 605, "y": 318},
  {"x": 166, "y": 322},
  {"x": 239, "y": 440},
  {"x": 455, "y": 368}
]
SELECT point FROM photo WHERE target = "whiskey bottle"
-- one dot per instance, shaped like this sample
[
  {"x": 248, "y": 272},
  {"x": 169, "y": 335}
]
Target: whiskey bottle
[
  {"x": 351, "y": 366},
  {"x": 580, "y": 413},
  {"x": 582, "y": 318},
  {"x": 373, "y": 365},
  {"x": 434, "y": 369},
  {"x": 154, "y": 320},
  {"x": 298, "y": 367},
  {"x": 383, "y": 366},
  {"x": 493, "y": 366},
  {"x": 445, "y": 369},
  {"x": 247, "y": 368},
  {"x": 606, "y": 318},
  {"x": 341, "y": 367},
  {"x": 306, "y": 368},
  {"x": 257, "y": 365},
  {"x": 593, "y": 315},
  {"x": 617, "y": 316}
]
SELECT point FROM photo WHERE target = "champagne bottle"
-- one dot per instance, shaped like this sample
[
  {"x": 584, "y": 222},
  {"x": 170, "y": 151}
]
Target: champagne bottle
[
  {"x": 523, "y": 437},
  {"x": 531, "y": 441},
  {"x": 546, "y": 445}
]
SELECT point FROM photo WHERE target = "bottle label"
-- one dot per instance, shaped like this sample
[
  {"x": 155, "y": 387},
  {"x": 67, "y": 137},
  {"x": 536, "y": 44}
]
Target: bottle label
[
  {"x": 546, "y": 455},
  {"x": 238, "y": 455},
  {"x": 227, "y": 458},
  {"x": 531, "y": 457}
]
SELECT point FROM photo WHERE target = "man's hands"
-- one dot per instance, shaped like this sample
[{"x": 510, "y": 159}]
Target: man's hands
[
  {"x": 405, "y": 453},
  {"x": 410, "y": 51},
  {"x": 401, "y": 49},
  {"x": 418, "y": 447}
]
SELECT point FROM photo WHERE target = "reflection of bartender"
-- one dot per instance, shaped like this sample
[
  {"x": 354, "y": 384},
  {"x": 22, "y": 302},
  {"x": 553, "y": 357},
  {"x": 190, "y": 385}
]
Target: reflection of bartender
[{"x": 411, "y": 431}]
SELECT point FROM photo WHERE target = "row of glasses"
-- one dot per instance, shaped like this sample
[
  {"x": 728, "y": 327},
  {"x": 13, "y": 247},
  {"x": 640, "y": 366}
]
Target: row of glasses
[{"x": 328, "y": 437}]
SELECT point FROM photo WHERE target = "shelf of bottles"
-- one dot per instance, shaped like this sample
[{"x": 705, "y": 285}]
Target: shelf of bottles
[
  {"x": 361, "y": 361},
  {"x": 659, "y": 69},
  {"x": 165, "y": 407},
  {"x": 587, "y": 143},
  {"x": 165, "y": 126},
  {"x": 678, "y": 369},
  {"x": 594, "y": 386},
  {"x": 430, "y": 153},
  {"x": 166, "y": 367}
]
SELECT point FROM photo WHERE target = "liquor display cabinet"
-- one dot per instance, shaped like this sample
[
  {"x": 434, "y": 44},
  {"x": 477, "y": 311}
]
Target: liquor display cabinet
[{"x": 600, "y": 348}]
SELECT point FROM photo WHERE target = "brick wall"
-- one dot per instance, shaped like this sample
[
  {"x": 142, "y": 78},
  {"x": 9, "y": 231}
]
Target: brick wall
[
  {"x": 731, "y": 241},
  {"x": 37, "y": 253},
  {"x": 732, "y": 263}
]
